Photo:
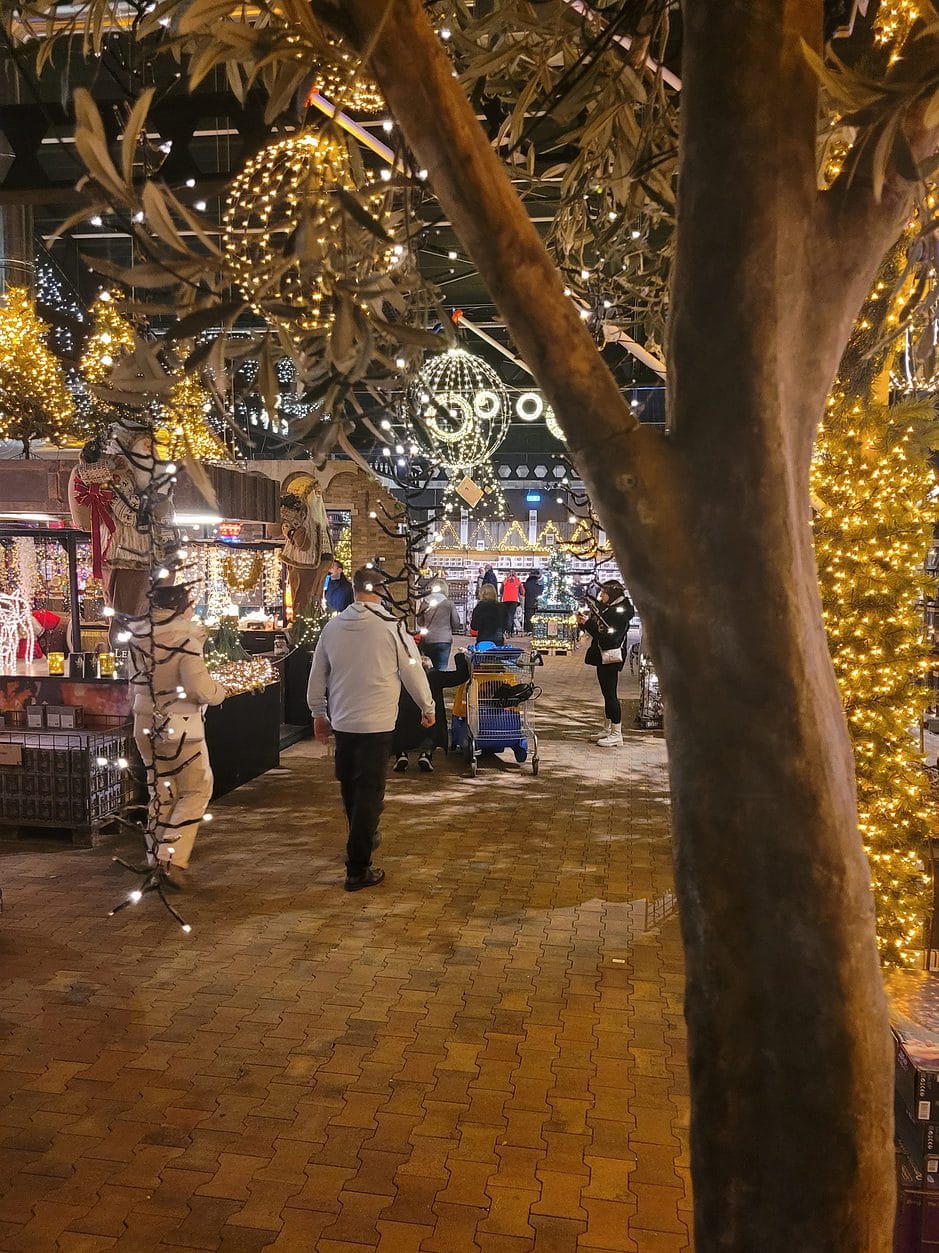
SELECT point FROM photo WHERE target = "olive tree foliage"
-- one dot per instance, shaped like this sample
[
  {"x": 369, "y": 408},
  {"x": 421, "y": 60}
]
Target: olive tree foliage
[
  {"x": 576, "y": 106},
  {"x": 576, "y": 100}
]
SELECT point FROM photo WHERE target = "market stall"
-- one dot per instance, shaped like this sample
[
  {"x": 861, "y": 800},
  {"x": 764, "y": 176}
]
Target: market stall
[{"x": 66, "y": 753}]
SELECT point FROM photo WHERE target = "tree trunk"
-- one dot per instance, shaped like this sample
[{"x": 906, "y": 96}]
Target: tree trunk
[{"x": 789, "y": 1046}]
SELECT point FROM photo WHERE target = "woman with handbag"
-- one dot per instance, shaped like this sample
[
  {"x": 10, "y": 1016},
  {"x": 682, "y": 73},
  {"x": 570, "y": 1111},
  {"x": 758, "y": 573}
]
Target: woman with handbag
[{"x": 607, "y": 625}]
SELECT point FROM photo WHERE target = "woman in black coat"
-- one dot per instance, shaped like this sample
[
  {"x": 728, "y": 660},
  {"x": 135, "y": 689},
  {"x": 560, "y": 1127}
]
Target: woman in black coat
[
  {"x": 409, "y": 734},
  {"x": 608, "y": 626},
  {"x": 488, "y": 620}
]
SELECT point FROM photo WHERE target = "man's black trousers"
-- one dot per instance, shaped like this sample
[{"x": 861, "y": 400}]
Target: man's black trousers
[{"x": 361, "y": 763}]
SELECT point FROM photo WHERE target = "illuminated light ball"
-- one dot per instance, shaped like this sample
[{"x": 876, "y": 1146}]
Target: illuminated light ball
[
  {"x": 341, "y": 79},
  {"x": 287, "y": 235},
  {"x": 529, "y": 406},
  {"x": 553, "y": 425},
  {"x": 462, "y": 406}
]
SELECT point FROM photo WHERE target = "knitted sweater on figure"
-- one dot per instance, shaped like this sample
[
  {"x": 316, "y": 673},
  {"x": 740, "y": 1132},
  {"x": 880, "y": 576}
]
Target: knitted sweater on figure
[{"x": 360, "y": 662}]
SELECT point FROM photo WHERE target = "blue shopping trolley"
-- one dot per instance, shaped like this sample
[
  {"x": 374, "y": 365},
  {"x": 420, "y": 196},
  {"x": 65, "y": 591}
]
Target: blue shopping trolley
[{"x": 499, "y": 699}]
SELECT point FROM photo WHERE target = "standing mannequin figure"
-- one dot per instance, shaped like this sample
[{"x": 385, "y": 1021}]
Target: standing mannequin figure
[
  {"x": 306, "y": 552},
  {"x": 103, "y": 499},
  {"x": 171, "y": 688}
]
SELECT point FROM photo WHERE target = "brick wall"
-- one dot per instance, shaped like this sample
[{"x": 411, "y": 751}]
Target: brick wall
[{"x": 352, "y": 489}]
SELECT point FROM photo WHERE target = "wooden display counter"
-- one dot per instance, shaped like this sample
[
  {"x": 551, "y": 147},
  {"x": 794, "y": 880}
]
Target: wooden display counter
[{"x": 242, "y": 735}]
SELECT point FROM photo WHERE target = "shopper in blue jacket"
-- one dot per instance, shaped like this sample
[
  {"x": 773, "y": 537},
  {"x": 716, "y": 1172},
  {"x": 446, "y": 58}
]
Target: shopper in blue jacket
[{"x": 339, "y": 593}]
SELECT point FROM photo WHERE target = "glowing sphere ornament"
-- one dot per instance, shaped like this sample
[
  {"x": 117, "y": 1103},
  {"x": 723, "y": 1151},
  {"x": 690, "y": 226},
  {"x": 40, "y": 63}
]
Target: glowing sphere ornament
[
  {"x": 553, "y": 425},
  {"x": 344, "y": 83},
  {"x": 287, "y": 235},
  {"x": 462, "y": 406}
]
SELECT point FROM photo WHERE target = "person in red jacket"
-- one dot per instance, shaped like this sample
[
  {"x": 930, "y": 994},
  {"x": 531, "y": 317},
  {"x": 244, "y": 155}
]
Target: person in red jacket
[{"x": 512, "y": 593}]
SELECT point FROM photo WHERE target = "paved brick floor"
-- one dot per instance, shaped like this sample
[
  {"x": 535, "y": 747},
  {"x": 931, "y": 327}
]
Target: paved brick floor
[{"x": 486, "y": 1053}]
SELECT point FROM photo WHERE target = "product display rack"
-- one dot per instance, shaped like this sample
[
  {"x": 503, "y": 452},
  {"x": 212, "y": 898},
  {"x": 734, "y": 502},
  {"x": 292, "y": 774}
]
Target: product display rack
[{"x": 72, "y": 779}]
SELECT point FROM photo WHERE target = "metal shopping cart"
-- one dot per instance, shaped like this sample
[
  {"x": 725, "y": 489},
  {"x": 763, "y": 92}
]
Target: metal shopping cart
[{"x": 493, "y": 711}]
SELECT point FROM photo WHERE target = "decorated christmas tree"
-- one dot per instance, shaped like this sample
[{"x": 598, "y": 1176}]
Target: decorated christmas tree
[
  {"x": 557, "y": 586},
  {"x": 35, "y": 402},
  {"x": 183, "y": 428},
  {"x": 112, "y": 337},
  {"x": 873, "y": 528}
]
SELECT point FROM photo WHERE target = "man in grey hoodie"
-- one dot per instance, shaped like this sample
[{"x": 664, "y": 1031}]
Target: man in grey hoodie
[{"x": 362, "y": 658}]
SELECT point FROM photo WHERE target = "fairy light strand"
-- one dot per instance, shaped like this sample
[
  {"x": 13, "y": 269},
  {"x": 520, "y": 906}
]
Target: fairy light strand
[{"x": 872, "y": 529}]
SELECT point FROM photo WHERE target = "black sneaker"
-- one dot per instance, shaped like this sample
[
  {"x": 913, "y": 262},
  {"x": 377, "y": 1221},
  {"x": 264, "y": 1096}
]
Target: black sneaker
[
  {"x": 425, "y": 763},
  {"x": 401, "y": 764},
  {"x": 368, "y": 879}
]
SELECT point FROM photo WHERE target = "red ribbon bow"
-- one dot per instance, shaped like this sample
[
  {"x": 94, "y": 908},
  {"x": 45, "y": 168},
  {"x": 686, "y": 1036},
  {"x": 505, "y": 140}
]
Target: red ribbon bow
[{"x": 98, "y": 499}]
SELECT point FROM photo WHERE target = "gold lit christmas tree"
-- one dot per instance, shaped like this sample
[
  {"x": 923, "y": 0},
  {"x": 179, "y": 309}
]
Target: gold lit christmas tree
[
  {"x": 112, "y": 337},
  {"x": 894, "y": 22},
  {"x": 873, "y": 528},
  {"x": 183, "y": 429},
  {"x": 35, "y": 402}
]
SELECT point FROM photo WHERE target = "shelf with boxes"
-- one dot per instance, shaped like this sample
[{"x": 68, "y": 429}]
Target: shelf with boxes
[
  {"x": 914, "y": 1011},
  {"x": 72, "y": 776}
]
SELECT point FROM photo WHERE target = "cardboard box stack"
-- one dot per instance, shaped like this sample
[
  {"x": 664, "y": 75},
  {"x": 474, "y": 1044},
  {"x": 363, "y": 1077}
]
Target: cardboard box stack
[{"x": 914, "y": 1002}]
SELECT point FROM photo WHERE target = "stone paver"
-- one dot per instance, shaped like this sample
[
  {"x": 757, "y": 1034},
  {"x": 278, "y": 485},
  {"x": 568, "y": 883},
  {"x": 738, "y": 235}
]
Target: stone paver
[{"x": 484, "y": 1054}]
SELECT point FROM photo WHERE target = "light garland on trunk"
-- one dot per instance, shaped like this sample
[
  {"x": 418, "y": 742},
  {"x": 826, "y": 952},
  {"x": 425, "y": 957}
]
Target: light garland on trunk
[{"x": 873, "y": 527}]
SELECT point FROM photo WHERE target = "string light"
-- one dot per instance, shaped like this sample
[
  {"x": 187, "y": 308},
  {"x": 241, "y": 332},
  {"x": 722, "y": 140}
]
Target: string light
[
  {"x": 286, "y": 233},
  {"x": 237, "y": 578},
  {"x": 463, "y": 406},
  {"x": 182, "y": 427},
  {"x": 873, "y": 527},
  {"x": 554, "y": 427},
  {"x": 112, "y": 337},
  {"x": 341, "y": 79},
  {"x": 893, "y": 23},
  {"x": 35, "y": 402},
  {"x": 249, "y": 675}
]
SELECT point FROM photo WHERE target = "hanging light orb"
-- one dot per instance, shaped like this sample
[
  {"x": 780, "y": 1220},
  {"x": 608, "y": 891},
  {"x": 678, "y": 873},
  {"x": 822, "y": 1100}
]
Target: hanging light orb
[
  {"x": 462, "y": 406},
  {"x": 553, "y": 425},
  {"x": 342, "y": 81},
  {"x": 289, "y": 238}
]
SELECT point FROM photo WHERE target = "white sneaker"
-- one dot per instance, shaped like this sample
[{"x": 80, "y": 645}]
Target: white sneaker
[
  {"x": 605, "y": 732},
  {"x": 613, "y": 740}
]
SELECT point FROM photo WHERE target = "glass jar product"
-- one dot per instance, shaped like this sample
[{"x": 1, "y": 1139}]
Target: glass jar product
[
  {"x": 56, "y": 663},
  {"x": 106, "y": 665}
]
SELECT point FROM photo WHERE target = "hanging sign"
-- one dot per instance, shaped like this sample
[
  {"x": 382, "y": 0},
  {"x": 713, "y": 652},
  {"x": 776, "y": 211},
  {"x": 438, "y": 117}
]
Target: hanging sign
[{"x": 469, "y": 491}]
